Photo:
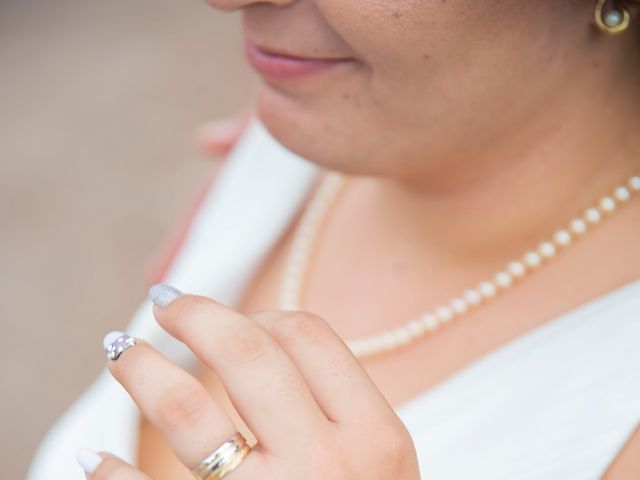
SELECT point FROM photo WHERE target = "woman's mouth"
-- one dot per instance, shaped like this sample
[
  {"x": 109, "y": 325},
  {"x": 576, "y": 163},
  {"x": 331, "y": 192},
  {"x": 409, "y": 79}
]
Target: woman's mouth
[{"x": 279, "y": 66}]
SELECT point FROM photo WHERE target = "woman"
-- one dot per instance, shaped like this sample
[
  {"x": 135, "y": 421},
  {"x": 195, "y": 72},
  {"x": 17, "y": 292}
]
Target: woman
[{"x": 469, "y": 227}]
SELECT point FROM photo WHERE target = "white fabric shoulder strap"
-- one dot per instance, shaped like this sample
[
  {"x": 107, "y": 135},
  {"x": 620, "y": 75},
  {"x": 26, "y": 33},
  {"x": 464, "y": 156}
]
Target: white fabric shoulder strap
[{"x": 259, "y": 189}]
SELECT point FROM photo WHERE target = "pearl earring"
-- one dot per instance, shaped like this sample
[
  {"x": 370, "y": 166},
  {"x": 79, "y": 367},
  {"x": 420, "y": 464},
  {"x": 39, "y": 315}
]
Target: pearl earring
[{"x": 613, "y": 20}]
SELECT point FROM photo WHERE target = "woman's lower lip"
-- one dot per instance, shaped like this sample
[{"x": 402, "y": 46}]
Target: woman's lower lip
[{"x": 278, "y": 67}]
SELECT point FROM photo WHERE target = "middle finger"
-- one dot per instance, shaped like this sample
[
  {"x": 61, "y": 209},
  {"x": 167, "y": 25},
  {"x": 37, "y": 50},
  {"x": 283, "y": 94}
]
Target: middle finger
[{"x": 262, "y": 381}]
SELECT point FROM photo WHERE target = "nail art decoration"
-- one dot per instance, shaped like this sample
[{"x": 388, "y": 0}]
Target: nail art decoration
[
  {"x": 162, "y": 294},
  {"x": 88, "y": 460},
  {"x": 117, "y": 342}
]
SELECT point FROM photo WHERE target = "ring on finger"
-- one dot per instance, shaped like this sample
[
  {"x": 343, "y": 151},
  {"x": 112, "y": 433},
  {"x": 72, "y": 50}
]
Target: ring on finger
[
  {"x": 117, "y": 342},
  {"x": 222, "y": 460}
]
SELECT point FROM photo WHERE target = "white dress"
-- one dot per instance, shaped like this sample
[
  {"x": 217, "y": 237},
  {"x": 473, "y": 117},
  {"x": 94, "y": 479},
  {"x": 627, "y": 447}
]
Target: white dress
[{"x": 558, "y": 402}]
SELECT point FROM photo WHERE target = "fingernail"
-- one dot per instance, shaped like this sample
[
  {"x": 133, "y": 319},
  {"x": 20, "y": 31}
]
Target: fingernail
[
  {"x": 88, "y": 459},
  {"x": 116, "y": 342},
  {"x": 111, "y": 337},
  {"x": 162, "y": 294}
]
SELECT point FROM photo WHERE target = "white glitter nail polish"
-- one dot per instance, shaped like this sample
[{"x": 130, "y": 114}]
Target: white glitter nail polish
[
  {"x": 88, "y": 459},
  {"x": 162, "y": 294},
  {"x": 117, "y": 342},
  {"x": 111, "y": 337}
]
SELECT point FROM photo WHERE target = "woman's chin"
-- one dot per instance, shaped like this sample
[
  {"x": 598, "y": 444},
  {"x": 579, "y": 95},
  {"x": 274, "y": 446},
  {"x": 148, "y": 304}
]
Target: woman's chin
[
  {"x": 314, "y": 132},
  {"x": 299, "y": 127}
]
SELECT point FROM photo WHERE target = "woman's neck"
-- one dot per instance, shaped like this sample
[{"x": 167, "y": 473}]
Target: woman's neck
[{"x": 521, "y": 189}]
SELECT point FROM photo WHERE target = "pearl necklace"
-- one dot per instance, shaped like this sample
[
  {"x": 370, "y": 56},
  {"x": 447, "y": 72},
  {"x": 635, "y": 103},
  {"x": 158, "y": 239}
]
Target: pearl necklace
[{"x": 306, "y": 233}]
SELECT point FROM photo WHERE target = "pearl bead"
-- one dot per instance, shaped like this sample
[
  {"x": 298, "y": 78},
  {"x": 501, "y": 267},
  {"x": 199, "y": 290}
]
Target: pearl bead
[
  {"x": 368, "y": 348},
  {"x": 305, "y": 236},
  {"x": 358, "y": 350},
  {"x": 416, "y": 328},
  {"x": 517, "y": 269},
  {"x": 429, "y": 321},
  {"x": 547, "y": 250},
  {"x": 402, "y": 336},
  {"x": 388, "y": 340},
  {"x": 562, "y": 238},
  {"x": 532, "y": 259},
  {"x": 613, "y": 18},
  {"x": 503, "y": 279},
  {"x": 358, "y": 347},
  {"x": 444, "y": 313},
  {"x": 472, "y": 296},
  {"x": 578, "y": 226},
  {"x": 592, "y": 215},
  {"x": 459, "y": 305},
  {"x": 607, "y": 204},
  {"x": 622, "y": 194},
  {"x": 378, "y": 343},
  {"x": 487, "y": 289}
]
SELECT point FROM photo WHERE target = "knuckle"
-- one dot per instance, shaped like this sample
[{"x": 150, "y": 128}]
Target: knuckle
[
  {"x": 264, "y": 317},
  {"x": 182, "y": 407},
  {"x": 245, "y": 344},
  {"x": 394, "y": 443},
  {"x": 299, "y": 324}
]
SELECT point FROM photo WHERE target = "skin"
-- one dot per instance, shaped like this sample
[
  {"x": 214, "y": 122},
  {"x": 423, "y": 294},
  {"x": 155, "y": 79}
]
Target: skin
[
  {"x": 273, "y": 365},
  {"x": 472, "y": 129}
]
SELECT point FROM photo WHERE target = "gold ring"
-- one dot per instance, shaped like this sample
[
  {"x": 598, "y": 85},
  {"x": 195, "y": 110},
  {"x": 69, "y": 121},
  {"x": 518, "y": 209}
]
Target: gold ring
[{"x": 224, "y": 459}]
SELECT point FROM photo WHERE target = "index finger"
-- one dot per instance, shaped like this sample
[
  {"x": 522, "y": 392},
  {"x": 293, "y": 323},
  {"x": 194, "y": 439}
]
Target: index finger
[{"x": 262, "y": 382}]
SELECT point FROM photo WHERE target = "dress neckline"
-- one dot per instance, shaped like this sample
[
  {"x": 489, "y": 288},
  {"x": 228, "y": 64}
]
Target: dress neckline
[{"x": 562, "y": 323}]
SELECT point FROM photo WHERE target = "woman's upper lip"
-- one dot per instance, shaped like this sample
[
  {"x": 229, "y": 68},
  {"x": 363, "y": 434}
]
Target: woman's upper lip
[{"x": 281, "y": 52}]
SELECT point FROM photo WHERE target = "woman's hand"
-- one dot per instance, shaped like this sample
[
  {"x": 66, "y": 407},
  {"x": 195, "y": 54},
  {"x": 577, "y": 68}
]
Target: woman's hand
[
  {"x": 219, "y": 136},
  {"x": 311, "y": 406}
]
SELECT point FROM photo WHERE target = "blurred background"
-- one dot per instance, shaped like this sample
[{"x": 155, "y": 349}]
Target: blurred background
[{"x": 100, "y": 102}]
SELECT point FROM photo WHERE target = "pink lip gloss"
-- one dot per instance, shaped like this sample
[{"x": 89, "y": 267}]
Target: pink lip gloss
[{"x": 284, "y": 67}]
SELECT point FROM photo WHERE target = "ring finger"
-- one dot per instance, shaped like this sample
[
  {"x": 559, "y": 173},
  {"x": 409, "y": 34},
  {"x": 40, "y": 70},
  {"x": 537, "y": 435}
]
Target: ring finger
[{"x": 174, "y": 402}]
